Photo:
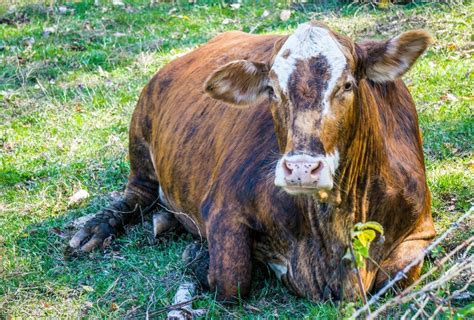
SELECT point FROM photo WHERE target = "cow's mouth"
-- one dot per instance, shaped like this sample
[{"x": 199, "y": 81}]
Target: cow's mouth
[{"x": 299, "y": 190}]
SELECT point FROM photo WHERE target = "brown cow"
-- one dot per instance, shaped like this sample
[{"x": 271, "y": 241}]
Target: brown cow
[{"x": 326, "y": 135}]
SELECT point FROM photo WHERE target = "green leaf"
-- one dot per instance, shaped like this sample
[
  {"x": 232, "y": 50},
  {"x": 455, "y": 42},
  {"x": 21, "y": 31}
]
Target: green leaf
[
  {"x": 360, "y": 261},
  {"x": 364, "y": 252},
  {"x": 366, "y": 237},
  {"x": 357, "y": 244},
  {"x": 371, "y": 225},
  {"x": 466, "y": 311},
  {"x": 360, "y": 249}
]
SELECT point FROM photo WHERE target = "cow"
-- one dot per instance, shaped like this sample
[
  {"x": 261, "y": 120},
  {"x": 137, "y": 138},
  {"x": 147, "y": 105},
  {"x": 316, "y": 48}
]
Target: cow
[{"x": 272, "y": 147}]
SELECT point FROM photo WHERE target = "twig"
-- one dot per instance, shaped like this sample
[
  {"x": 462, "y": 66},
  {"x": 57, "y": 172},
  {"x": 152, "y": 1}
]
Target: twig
[
  {"x": 438, "y": 264},
  {"x": 421, "y": 308},
  {"x": 173, "y": 306},
  {"x": 359, "y": 278},
  {"x": 405, "y": 315},
  {"x": 437, "y": 310},
  {"x": 400, "y": 275},
  {"x": 406, "y": 295},
  {"x": 186, "y": 215}
]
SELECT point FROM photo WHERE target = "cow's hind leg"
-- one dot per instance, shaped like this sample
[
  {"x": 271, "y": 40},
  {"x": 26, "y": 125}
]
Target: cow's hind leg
[{"x": 140, "y": 196}]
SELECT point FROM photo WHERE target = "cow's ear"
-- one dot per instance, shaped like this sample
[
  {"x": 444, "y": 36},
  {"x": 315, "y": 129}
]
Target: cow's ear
[
  {"x": 239, "y": 82},
  {"x": 277, "y": 47},
  {"x": 388, "y": 60}
]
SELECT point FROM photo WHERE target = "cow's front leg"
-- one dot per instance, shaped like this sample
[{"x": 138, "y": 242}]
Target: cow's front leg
[
  {"x": 230, "y": 267},
  {"x": 409, "y": 249},
  {"x": 398, "y": 259}
]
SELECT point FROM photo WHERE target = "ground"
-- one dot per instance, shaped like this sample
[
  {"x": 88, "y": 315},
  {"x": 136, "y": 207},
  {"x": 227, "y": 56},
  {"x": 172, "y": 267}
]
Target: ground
[{"x": 69, "y": 80}]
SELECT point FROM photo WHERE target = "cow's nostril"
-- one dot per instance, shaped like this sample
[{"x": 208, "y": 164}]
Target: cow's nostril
[
  {"x": 287, "y": 168},
  {"x": 316, "y": 168}
]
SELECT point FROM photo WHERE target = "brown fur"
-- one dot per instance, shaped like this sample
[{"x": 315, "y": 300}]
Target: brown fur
[{"x": 215, "y": 164}]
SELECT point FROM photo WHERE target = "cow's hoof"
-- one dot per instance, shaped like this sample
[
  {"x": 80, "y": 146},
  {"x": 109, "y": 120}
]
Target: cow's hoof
[
  {"x": 96, "y": 233},
  {"x": 196, "y": 258},
  {"x": 162, "y": 222}
]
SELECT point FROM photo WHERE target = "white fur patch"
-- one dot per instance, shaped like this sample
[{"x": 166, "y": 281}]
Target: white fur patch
[
  {"x": 310, "y": 41},
  {"x": 279, "y": 269},
  {"x": 162, "y": 197}
]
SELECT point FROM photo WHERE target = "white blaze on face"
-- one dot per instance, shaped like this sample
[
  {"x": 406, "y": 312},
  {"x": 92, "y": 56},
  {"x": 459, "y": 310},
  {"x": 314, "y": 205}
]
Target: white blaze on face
[{"x": 307, "y": 42}]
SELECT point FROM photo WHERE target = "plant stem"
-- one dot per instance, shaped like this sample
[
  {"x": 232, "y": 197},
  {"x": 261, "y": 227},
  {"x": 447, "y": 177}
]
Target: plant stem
[{"x": 359, "y": 278}]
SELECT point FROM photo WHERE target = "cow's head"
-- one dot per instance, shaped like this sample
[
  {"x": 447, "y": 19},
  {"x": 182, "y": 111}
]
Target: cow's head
[{"x": 312, "y": 83}]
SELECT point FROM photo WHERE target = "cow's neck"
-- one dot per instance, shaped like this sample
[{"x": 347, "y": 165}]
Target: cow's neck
[
  {"x": 364, "y": 157},
  {"x": 316, "y": 263},
  {"x": 330, "y": 222}
]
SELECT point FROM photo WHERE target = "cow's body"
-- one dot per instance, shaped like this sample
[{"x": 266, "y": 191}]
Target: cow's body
[{"x": 214, "y": 165}]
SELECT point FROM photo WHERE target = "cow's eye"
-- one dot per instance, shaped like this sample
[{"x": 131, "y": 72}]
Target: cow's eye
[
  {"x": 271, "y": 93},
  {"x": 348, "y": 86}
]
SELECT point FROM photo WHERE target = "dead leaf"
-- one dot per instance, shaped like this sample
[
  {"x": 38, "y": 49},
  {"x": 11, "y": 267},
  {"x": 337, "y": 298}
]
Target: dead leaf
[
  {"x": 79, "y": 196},
  {"x": 28, "y": 42},
  {"x": 252, "y": 308},
  {"x": 448, "y": 97},
  {"x": 470, "y": 164},
  {"x": 48, "y": 30},
  {"x": 452, "y": 46},
  {"x": 58, "y": 232},
  {"x": 78, "y": 108},
  {"x": 114, "y": 306},
  {"x": 88, "y": 288},
  {"x": 113, "y": 139},
  {"x": 285, "y": 15},
  {"x": 21, "y": 60}
]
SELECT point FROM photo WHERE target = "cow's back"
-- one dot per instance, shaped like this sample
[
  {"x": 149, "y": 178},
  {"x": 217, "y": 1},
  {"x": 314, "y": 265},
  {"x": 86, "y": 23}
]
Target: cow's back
[{"x": 199, "y": 144}]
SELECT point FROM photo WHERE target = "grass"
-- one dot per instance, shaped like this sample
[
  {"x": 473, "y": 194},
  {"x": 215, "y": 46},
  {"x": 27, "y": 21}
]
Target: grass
[{"x": 69, "y": 80}]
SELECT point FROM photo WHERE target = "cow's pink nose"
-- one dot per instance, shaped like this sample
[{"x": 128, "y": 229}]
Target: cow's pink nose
[{"x": 302, "y": 173}]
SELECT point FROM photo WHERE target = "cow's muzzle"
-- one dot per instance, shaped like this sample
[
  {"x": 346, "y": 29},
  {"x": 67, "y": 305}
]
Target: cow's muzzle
[{"x": 303, "y": 173}]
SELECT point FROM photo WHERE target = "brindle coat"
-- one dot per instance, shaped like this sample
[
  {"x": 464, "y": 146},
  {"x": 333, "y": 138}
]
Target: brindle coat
[{"x": 215, "y": 163}]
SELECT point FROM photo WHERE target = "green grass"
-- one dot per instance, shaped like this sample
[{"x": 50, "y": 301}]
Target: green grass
[{"x": 65, "y": 104}]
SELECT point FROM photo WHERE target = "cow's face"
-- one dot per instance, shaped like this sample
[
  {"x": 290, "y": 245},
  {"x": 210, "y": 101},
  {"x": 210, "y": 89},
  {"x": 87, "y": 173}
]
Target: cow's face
[
  {"x": 312, "y": 88},
  {"x": 311, "y": 83}
]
